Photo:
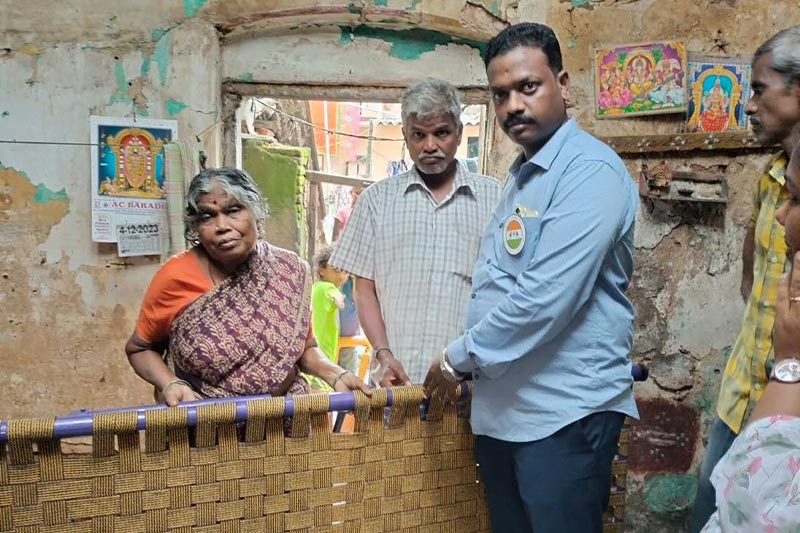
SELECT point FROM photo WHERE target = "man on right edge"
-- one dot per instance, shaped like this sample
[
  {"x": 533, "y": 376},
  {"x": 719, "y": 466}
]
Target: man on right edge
[
  {"x": 774, "y": 109},
  {"x": 549, "y": 324}
]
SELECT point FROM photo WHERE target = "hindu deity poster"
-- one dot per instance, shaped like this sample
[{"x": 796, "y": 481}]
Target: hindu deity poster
[
  {"x": 640, "y": 79},
  {"x": 718, "y": 92},
  {"x": 128, "y": 173}
]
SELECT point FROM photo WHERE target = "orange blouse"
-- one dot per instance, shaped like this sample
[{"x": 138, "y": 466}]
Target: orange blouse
[{"x": 179, "y": 282}]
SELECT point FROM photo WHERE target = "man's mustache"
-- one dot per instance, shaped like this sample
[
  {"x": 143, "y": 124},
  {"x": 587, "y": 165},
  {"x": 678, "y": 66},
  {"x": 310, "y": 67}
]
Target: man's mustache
[{"x": 515, "y": 120}]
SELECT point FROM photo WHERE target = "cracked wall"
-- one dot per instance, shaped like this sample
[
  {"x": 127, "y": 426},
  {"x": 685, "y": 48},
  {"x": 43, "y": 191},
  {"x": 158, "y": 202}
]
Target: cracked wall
[
  {"x": 688, "y": 260},
  {"x": 69, "y": 304}
]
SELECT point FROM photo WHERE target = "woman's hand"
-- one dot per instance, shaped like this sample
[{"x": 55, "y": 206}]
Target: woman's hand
[
  {"x": 347, "y": 381},
  {"x": 315, "y": 363},
  {"x": 149, "y": 365},
  {"x": 177, "y": 392},
  {"x": 786, "y": 335}
]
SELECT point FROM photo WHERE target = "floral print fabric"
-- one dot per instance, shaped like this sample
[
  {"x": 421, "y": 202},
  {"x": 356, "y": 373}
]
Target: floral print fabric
[{"x": 758, "y": 480}]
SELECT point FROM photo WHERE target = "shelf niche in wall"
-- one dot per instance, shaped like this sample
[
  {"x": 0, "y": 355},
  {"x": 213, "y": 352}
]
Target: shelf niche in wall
[
  {"x": 683, "y": 142},
  {"x": 659, "y": 182}
]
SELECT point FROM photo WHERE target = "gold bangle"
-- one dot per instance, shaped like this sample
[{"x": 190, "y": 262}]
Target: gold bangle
[{"x": 339, "y": 377}]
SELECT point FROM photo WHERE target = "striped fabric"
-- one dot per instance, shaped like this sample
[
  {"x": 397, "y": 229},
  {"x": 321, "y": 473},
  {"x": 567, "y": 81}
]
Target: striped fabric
[
  {"x": 746, "y": 371},
  {"x": 181, "y": 164},
  {"x": 420, "y": 256}
]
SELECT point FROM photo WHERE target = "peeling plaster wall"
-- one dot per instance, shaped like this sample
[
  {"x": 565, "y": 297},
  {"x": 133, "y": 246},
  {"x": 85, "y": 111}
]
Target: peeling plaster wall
[
  {"x": 395, "y": 59},
  {"x": 69, "y": 304},
  {"x": 688, "y": 261}
]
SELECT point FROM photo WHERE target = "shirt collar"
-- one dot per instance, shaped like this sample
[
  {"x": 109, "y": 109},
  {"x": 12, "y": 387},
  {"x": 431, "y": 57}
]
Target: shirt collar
[
  {"x": 544, "y": 158},
  {"x": 777, "y": 167},
  {"x": 463, "y": 179}
]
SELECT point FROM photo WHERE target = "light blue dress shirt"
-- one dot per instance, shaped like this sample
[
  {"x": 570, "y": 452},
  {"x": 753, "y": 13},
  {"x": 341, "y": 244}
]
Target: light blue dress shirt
[{"x": 550, "y": 328}]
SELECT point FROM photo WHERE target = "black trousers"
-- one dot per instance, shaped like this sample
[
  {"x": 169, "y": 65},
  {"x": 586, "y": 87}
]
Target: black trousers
[{"x": 559, "y": 484}]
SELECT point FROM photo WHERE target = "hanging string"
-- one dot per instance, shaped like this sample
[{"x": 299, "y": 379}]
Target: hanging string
[
  {"x": 326, "y": 130},
  {"x": 100, "y": 144},
  {"x": 57, "y": 143},
  {"x": 198, "y": 135}
]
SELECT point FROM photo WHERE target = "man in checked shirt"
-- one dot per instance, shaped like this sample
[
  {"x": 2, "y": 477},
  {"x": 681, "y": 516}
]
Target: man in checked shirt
[{"x": 413, "y": 238}]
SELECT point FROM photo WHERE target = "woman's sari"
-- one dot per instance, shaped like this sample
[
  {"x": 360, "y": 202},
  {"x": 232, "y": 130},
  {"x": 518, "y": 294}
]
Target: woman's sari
[{"x": 246, "y": 335}]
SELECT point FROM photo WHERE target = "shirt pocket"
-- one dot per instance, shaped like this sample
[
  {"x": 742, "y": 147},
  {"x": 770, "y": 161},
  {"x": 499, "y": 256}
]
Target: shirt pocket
[
  {"x": 462, "y": 264},
  {"x": 512, "y": 264}
]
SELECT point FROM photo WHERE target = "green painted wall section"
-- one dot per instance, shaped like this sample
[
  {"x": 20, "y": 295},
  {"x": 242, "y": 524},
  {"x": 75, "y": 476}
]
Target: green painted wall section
[
  {"x": 191, "y": 7},
  {"x": 161, "y": 56},
  {"x": 493, "y": 7},
  {"x": 121, "y": 94},
  {"x": 16, "y": 171},
  {"x": 174, "y": 107},
  {"x": 145, "y": 70},
  {"x": 280, "y": 172},
  {"x": 407, "y": 44},
  {"x": 44, "y": 195},
  {"x": 670, "y": 495}
]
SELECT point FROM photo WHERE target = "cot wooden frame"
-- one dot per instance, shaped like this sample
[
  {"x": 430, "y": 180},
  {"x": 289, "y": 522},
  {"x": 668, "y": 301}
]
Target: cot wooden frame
[{"x": 268, "y": 474}]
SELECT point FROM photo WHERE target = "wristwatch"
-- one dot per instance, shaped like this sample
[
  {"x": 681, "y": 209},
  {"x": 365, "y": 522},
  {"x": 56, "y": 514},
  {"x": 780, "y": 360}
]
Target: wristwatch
[
  {"x": 449, "y": 373},
  {"x": 786, "y": 371}
]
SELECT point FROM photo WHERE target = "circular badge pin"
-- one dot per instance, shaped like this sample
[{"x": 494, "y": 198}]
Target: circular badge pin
[{"x": 514, "y": 235}]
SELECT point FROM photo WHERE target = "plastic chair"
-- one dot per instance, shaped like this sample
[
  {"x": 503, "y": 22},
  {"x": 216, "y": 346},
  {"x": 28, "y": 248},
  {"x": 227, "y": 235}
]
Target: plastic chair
[
  {"x": 363, "y": 369},
  {"x": 355, "y": 342}
]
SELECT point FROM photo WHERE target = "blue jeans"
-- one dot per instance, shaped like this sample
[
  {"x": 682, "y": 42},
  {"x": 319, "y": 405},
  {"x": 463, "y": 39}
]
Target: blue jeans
[
  {"x": 720, "y": 438},
  {"x": 559, "y": 484}
]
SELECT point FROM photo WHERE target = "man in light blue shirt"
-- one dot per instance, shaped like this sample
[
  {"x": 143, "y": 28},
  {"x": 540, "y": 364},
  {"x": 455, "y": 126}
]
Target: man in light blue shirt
[{"x": 549, "y": 324}]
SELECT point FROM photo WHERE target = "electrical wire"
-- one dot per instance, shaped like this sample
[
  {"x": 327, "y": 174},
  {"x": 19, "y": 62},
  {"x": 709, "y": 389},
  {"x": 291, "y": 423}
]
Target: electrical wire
[
  {"x": 57, "y": 143},
  {"x": 326, "y": 130},
  {"x": 197, "y": 136},
  {"x": 100, "y": 144}
]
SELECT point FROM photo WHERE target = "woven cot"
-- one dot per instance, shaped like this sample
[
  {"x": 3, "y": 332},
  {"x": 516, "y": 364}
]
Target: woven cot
[{"x": 226, "y": 476}]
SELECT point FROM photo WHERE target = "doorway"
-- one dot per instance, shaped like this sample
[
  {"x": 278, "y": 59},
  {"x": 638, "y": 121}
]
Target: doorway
[{"x": 349, "y": 144}]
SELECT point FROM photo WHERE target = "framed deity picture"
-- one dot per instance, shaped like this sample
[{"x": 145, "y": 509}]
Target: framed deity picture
[
  {"x": 718, "y": 91},
  {"x": 128, "y": 173},
  {"x": 640, "y": 79}
]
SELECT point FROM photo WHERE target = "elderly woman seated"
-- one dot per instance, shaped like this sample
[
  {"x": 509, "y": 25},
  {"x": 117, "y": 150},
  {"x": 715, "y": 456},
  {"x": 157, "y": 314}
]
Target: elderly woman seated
[
  {"x": 232, "y": 313},
  {"x": 758, "y": 481}
]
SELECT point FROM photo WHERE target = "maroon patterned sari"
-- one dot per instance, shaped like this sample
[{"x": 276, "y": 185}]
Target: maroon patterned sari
[{"x": 245, "y": 336}]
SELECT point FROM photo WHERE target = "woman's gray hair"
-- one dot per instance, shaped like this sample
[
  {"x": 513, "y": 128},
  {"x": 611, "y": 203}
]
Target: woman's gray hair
[
  {"x": 785, "y": 49},
  {"x": 236, "y": 183},
  {"x": 428, "y": 98}
]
